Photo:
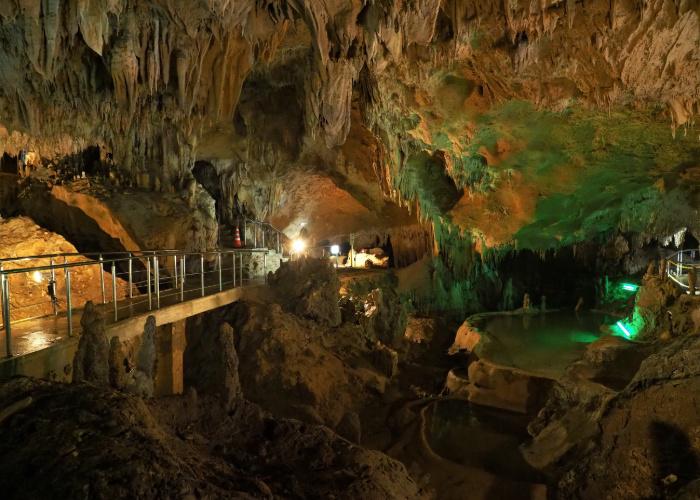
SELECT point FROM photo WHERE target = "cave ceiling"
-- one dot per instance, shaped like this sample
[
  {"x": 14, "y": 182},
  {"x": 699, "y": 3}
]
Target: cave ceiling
[{"x": 522, "y": 123}]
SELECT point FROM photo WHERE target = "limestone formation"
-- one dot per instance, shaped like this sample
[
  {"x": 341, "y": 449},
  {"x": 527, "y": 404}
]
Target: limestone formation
[
  {"x": 212, "y": 363},
  {"x": 141, "y": 377},
  {"x": 91, "y": 362},
  {"x": 309, "y": 288}
]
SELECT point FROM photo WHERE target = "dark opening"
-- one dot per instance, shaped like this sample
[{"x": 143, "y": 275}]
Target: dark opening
[
  {"x": 205, "y": 174},
  {"x": 9, "y": 164}
]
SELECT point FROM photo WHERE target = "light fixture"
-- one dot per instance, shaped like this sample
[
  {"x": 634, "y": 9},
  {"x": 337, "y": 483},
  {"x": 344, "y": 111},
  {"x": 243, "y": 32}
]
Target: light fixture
[
  {"x": 335, "y": 249},
  {"x": 630, "y": 287},
  {"x": 625, "y": 331},
  {"x": 298, "y": 245},
  {"x": 37, "y": 277}
]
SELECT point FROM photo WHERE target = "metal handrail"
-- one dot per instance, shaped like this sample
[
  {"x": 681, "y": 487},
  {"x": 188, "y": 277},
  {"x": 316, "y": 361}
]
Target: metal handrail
[
  {"x": 83, "y": 254},
  {"x": 679, "y": 268},
  {"x": 181, "y": 261},
  {"x": 262, "y": 225}
]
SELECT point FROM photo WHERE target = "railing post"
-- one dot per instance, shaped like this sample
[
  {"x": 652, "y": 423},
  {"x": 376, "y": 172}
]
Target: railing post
[
  {"x": 69, "y": 304},
  {"x": 265, "y": 266},
  {"x": 263, "y": 235},
  {"x": 114, "y": 290},
  {"x": 156, "y": 277},
  {"x": 201, "y": 260},
  {"x": 278, "y": 243},
  {"x": 148, "y": 283},
  {"x": 182, "y": 279},
  {"x": 52, "y": 286},
  {"x": 245, "y": 233},
  {"x": 5, "y": 282},
  {"x": 221, "y": 282},
  {"x": 255, "y": 235},
  {"x": 131, "y": 278},
  {"x": 175, "y": 264},
  {"x": 233, "y": 268},
  {"x": 102, "y": 281},
  {"x": 240, "y": 281}
]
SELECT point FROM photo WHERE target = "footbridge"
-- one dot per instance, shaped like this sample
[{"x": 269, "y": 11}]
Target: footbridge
[{"x": 43, "y": 296}]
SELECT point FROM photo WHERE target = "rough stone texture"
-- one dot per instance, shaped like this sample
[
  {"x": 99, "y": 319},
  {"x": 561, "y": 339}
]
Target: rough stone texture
[
  {"x": 335, "y": 114},
  {"x": 309, "y": 289},
  {"x": 420, "y": 330},
  {"x": 467, "y": 338},
  {"x": 384, "y": 317},
  {"x": 506, "y": 387},
  {"x": 94, "y": 441},
  {"x": 350, "y": 427},
  {"x": 284, "y": 362},
  {"x": 91, "y": 362},
  {"x": 102, "y": 215},
  {"x": 638, "y": 449},
  {"x": 20, "y": 236},
  {"x": 211, "y": 361},
  {"x": 117, "y": 370},
  {"x": 141, "y": 377}
]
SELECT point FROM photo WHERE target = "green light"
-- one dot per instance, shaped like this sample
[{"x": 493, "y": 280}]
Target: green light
[
  {"x": 630, "y": 287},
  {"x": 624, "y": 330}
]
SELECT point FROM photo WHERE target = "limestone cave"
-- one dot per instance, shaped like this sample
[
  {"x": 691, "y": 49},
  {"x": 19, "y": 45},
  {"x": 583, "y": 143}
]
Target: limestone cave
[{"x": 333, "y": 249}]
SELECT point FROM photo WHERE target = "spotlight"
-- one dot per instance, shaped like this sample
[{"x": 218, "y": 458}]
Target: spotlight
[
  {"x": 298, "y": 245},
  {"x": 37, "y": 277},
  {"x": 630, "y": 287},
  {"x": 335, "y": 249}
]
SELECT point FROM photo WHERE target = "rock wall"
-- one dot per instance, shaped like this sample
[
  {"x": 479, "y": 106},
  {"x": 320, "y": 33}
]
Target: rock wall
[{"x": 20, "y": 236}]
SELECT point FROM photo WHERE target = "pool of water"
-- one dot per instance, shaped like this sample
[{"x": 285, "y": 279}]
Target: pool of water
[
  {"x": 543, "y": 343},
  {"x": 480, "y": 437}
]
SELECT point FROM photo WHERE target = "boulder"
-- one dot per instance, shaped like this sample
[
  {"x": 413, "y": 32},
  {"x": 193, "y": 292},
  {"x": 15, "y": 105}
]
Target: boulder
[{"x": 309, "y": 288}]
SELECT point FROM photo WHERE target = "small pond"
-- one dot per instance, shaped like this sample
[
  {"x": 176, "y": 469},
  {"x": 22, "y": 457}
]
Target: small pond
[
  {"x": 544, "y": 343},
  {"x": 481, "y": 437}
]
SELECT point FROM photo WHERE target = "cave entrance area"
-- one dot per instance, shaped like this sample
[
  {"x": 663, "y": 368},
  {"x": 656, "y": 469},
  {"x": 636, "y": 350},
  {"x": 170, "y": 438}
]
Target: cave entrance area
[{"x": 206, "y": 175}]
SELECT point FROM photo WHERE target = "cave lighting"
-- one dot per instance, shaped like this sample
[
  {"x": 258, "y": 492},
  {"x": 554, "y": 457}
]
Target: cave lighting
[
  {"x": 624, "y": 330},
  {"x": 630, "y": 287},
  {"x": 298, "y": 245},
  {"x": 335, "y": 249},
  {"x": 37, "y": 277}
]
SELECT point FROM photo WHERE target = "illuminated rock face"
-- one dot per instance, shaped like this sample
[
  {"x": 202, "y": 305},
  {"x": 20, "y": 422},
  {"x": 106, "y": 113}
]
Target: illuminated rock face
[
  {"x": 29, "y": 295},
  {"x": 527, "y": 124}
]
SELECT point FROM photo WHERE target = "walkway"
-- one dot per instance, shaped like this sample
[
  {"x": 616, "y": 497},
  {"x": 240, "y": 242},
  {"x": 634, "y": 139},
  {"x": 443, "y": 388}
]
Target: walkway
[{"x": 149, "y": 282}]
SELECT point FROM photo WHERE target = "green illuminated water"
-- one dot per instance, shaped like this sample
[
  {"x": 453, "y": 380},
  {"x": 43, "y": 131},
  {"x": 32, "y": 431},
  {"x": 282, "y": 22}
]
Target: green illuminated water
[{"x": 544, "y": 343}]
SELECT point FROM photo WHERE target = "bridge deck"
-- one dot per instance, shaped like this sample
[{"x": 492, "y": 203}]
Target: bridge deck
[{"x": 36, "y": 334}]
